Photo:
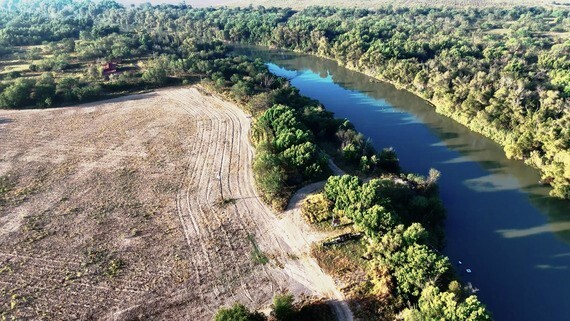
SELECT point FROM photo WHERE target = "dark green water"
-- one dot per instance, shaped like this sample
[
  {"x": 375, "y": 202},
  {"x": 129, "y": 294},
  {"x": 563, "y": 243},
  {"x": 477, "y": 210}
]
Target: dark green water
[{"x": 501, "y": 224}]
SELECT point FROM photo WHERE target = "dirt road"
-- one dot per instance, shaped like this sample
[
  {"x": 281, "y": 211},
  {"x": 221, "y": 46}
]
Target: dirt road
[{"x": 114, "y": 210}]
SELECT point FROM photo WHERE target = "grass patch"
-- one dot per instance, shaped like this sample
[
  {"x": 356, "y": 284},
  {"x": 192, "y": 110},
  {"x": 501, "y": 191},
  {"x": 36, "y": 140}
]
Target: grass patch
[
  {"x": 103, "y": 262},
  {"x": 225, "y": 202},
  {"x": 5, "y": 186},
  {"x": 256, "y": 255},
  {"x": 340, "y": 260},
  {"x": 35, "y": 229},
  {"x": 114, "y": 266}
]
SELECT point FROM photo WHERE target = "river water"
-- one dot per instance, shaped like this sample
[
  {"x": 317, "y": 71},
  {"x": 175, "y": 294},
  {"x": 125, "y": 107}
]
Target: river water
[{"x": 501, "y": 224}]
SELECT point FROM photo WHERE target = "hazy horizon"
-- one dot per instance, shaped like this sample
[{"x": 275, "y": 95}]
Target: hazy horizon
[{"x": 194, "y": 3}]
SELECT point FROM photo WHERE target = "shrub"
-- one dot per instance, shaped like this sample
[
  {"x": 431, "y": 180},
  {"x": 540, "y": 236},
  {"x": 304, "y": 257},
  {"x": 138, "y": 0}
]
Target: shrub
[
  {"x": 388, "y": 160},
  {"x": 316, "y": 208},
  {"x": 283, "y": 309},
  {"x": 238, "y": 312}
]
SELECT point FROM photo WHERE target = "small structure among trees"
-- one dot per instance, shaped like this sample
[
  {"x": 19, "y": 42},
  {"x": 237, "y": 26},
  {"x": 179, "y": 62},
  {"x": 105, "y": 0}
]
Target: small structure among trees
[{"x": 109, "y": 68}]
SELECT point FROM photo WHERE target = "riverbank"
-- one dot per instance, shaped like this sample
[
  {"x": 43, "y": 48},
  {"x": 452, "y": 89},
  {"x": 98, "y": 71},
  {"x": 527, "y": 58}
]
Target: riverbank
[
  {"x": 477, "y": 126},
  {"x": 495, "y": 208}
]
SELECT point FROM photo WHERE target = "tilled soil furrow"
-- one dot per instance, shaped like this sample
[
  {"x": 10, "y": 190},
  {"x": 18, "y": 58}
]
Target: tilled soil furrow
[
  {"x": 207, "y": 182},
  {"x": 196, "y": 211},
  {"x": 233, "y": 183},
  {"x": 135, "y": 225},
  {"x": 239, "y": 238},
  {"x": 190, "y": 225}
]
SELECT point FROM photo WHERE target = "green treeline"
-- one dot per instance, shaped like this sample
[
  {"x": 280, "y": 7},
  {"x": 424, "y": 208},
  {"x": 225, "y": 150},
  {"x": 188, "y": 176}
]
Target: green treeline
[
  {"x": 501, "y": 72},
  {"x": 401, "y": 214},
  {"x": 401, "y": 217}
]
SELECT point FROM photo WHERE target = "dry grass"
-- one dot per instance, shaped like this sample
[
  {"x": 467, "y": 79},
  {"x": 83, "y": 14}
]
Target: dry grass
[
  {"x": 88, "y": 223},
  {"x": 113, "y": 210}
]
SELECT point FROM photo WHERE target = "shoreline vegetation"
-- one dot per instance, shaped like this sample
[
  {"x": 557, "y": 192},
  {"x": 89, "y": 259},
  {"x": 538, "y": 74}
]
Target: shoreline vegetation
[
  {"x": 58, "y": 59},
  {"x": 502, "y": 73},
  {"x": 528, "y": 115},
  {"x": 386, "y": 209}
]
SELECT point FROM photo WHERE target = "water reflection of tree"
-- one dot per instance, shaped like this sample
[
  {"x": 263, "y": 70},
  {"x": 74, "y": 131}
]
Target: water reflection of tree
[{"x": 471, "y": 145}]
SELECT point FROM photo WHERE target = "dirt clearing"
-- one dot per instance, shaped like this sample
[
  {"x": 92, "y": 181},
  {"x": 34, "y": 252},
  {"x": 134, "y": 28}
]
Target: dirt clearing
[{"x": 114, "y": 210}]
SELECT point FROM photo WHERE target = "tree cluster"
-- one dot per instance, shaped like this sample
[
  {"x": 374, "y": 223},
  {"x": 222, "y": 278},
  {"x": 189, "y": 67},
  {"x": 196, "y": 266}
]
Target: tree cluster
[
  {"x": 403, "y": 266},
  {"x": 286, "y": 154},
  {"x": 501, "y": 72},
  {"x": 45, "y": 91},
  {"x": 284, "y": 308}
]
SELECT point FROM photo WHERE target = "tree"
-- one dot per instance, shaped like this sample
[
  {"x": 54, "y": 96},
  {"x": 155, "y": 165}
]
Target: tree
[
  {"x": 388, "y": 160},
  {"x": 343, "y": 191},
  {"x": 44, "y": 91},
  {"x": 376, "y": 219},
  {"x": 17, "y": 94},
  {"x": 260, "y": 103},
  {"x": 238, "y": 312},
  {"x": 436, "y": 305},
  {"x": 415, "y": 267},
  {"x": 156, "y": 71},
  {"x": 94, "y": 72},
  {"x": 283, "y": 309},
  {"x": 242, "y": 89},
  {"x": 269, "y": 175},
  {"x": 304, "y": 156},
  {"x": 66, "y": 87}
]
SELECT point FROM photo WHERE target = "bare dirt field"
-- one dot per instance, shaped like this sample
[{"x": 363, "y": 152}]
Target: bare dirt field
[{"x": 113, "y": 210}]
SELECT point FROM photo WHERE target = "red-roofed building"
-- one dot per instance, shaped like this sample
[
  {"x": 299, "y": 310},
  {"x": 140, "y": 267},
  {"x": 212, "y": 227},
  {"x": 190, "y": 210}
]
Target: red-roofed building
[{"x": 109, "y": 68}]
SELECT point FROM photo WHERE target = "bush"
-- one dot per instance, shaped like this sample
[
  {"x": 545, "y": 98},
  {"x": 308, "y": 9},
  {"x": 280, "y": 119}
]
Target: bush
[
  {"x": 316, "y": 208},
  {"x": 269, "y": 178},
  {"x": 238, "y": 312},
  {"x": 388, "y": 161},
  {"x": 283, "y": 309},
  {"x": 17, "y": 94}
]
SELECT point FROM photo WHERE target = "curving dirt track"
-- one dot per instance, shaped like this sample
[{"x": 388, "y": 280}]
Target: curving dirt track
[{"x": 139, "y": 180}]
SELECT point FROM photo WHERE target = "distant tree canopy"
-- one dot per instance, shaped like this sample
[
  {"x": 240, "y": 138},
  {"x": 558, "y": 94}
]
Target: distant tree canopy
[{"x": 502, "y": 72}]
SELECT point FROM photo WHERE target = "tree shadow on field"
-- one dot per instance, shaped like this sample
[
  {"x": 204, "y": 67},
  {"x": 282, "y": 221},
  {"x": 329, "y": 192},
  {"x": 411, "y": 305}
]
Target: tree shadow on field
[
  {"x": 5, "y": 120},
  {"x": 114, "y": 98}
]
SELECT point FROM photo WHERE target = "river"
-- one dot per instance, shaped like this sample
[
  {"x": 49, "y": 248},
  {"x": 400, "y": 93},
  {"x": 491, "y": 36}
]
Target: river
[{"x": 501, "y": 224}]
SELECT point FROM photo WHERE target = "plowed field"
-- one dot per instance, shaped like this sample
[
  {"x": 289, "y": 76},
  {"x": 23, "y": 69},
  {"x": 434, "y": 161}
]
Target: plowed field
[{"x": 142, "y": 207}]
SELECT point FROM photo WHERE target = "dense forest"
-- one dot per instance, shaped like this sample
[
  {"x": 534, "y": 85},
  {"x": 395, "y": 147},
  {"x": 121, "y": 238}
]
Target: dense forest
[
  {"x": 503, "y": 73},
  {"x": 401, "y": 216}
]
